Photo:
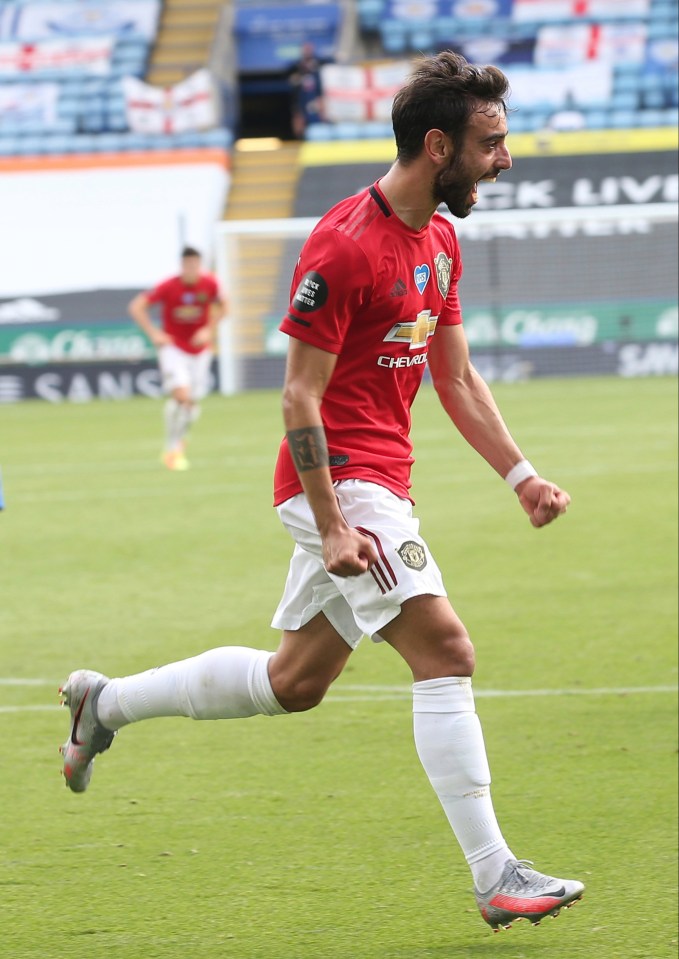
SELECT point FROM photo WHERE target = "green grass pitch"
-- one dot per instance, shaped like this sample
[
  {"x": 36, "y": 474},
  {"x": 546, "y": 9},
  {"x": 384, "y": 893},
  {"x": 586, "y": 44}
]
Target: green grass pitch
[{"x": 317, "y": 836}]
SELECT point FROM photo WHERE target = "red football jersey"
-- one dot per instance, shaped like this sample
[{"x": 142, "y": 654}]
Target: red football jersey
[
  {"x": 185, "y": 307},
  {"x": 373, "y": 291}
]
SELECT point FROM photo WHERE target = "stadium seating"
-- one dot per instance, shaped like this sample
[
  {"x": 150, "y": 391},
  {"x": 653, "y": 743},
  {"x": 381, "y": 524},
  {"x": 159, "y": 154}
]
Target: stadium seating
[
  {"x": 62, "y": 64},
  {"x": 639, "y": 50},
  {"x": 66, "y": 91}
]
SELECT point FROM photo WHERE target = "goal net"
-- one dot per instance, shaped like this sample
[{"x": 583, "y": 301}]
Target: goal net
[{"x": 555, "y": 292}]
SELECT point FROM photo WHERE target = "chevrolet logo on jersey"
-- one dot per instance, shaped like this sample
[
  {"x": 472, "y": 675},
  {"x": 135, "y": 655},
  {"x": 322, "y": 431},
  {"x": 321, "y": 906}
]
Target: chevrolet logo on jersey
[{"x": 415, "y": 333}]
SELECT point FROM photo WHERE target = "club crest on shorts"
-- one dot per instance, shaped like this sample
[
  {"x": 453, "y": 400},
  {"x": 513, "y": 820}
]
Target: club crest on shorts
[
  {"x": 443, "y": 265},
  {"x": 413, "y": 554}
]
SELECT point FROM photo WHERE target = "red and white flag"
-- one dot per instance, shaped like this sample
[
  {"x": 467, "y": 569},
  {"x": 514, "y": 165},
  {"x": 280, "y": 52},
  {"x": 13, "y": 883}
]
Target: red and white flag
[
  {"x": 565, "y": 46},
  {"x": 80, "y": 54},
  {"x": 189, "y": 105},
  {"x": 540, "y": 11},
  {"x": 361, "y": 93}
]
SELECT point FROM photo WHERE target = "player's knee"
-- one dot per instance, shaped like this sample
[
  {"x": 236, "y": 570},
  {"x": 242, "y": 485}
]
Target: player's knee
[
  {"x": 454, "y": 654},
  {"x": 182, "y": 395},
  {"x": 297, "y": 695},
  {"x": 465, "y": 655}
]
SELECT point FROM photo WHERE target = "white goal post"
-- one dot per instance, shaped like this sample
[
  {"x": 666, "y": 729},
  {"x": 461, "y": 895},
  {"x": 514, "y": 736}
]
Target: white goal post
[{"x": 557, "y": 291}]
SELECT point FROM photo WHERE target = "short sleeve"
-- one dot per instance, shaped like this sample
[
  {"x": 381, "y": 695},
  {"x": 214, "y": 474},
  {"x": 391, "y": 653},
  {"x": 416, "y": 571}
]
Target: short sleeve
[
  {"x": 159, "y": 293},
  {"x": 332, "y": 281},
  {"x": 451, "y": 314}
]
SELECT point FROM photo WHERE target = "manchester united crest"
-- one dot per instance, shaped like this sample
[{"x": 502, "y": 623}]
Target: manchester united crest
[
  {"x": 443, "y": 266},
  {"x": 413, "y": 554}
]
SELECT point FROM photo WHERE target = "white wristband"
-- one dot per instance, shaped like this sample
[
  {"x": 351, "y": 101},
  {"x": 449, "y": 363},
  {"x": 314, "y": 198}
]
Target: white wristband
[{"x": 520, "y": 472}]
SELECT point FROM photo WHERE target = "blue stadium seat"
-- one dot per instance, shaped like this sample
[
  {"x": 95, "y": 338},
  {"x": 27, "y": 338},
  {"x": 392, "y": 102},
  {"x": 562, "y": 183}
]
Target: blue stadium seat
[
  {"x": 319, "y": 132},
  {"x": 160, "y": 141},
  {"x": 83, "y": 143},
  {"x": 421, "y": 39},
  {"x": 653, "y": 99},
  {"x": 377, "y": 130},
  {"x": 93, "y": 86},
  {"x": 445, "y": 30},
  {"x": 93, "y": 122},
  {"x": 109, "y": 143},
  {"x": 64, "y": 124},
  {"x": 8, "y": 145},
  {"x": 650, "y": 118},
  {"x": 394, "y": 42},
  {"x": 30, "y": 145},
  {"x": 370, "y": 13},
  {"x": 137, "y": 141},
  {"x": 628, "y": 68},
  {"x": 651, "y": 81},
  {"x": 219, "y": 137},
  {"x": 519, "y": 122},
  {"x": 189, "y": 138},
  {"x": 627, "y": 100},
  {"x": 623, "y": 119},
  {"x": 116, "y": 122},
  {"x": 624, "y": 82},
  {"x": 58, "y": 143},
  {"x": 394, "y": 35},
  {"x": 662, "y": 30},
  {"x": 348, "y": 131},
  {"x": 597, "y": 119}
]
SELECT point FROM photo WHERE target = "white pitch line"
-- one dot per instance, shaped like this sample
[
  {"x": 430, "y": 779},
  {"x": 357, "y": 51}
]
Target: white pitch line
[
  {"x": 505, "y": 693},
  {"x": 383, "y": 697},
  {"x": 11, "y": 681},
  {"x": 380, "y": 694},
  {"x": 38, "y": 708}
]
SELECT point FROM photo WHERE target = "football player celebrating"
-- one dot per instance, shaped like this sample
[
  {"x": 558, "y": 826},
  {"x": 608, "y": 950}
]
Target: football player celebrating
[{"x": 374, "y": 297}]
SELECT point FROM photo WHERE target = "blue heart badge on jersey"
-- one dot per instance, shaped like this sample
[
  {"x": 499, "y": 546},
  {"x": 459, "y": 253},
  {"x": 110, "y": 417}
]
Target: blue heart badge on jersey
[{"x": 422, "y": 274}]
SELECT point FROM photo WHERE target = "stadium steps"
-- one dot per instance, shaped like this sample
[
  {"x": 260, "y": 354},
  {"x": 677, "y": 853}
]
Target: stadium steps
[
  {"x": 264, "y": 186},
  {"x": 185, "y": 34}
]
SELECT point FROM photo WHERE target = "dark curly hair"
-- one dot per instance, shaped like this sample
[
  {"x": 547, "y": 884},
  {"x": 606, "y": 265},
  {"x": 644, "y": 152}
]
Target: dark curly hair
[{"x": 442, "y": 92}]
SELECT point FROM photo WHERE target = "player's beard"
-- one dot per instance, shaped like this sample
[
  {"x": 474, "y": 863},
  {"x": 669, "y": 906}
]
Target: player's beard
[{"x": 455, "y": 187}]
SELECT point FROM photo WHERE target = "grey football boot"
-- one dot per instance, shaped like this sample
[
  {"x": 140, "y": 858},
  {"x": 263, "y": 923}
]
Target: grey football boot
[
  {"x": 523, "y": 893},
  {"x": 88, "y": 737}
]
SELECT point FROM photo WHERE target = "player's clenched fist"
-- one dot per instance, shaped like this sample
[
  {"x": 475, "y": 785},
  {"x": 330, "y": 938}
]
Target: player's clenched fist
[
  {"x": 348, "y": 553},
  {"x": 542, "y": 500}
]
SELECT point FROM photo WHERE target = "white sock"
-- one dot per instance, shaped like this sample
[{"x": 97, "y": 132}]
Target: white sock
[
  {"x": 230, "y": 682},
  {"x": 177, "y": 421},
  {"x": 450, "y": 745}
]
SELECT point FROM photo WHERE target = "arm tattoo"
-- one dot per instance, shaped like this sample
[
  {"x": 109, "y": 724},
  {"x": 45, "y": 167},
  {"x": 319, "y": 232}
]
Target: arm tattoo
[{"x": 308, "y": 448}]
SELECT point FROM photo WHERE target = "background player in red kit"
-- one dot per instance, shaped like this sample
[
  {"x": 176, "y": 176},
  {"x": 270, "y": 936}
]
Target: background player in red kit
[
  {"x": 191, "y": 306},
  {"x": 374, "y": 297}
]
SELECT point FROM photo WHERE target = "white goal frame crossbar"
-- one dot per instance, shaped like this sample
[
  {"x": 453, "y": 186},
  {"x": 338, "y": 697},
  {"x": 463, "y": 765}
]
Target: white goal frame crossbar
[{"x": 483, "y": 224}]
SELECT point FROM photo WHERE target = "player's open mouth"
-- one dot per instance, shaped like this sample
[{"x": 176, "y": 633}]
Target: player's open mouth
[{"x": 474, "y": 196}]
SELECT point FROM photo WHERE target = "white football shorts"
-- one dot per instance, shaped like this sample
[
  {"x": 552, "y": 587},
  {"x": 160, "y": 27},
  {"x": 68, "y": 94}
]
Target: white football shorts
[
  {"x": 181, "y": 369},
  {"x": 356, "y": 605}
]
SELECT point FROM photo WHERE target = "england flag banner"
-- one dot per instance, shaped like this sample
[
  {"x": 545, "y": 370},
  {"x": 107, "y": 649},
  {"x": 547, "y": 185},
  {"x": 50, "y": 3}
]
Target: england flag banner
[
  {"x": 189, "y": 105},
  {"x": 120, "y": 18},
  {"x": 80, "y": 54},
  {"x": 565, "y": 46},
  {"x": 34, "y": 103},
  {"x": 542, "y": 11},
  {"x": 361, "y": 93}
]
